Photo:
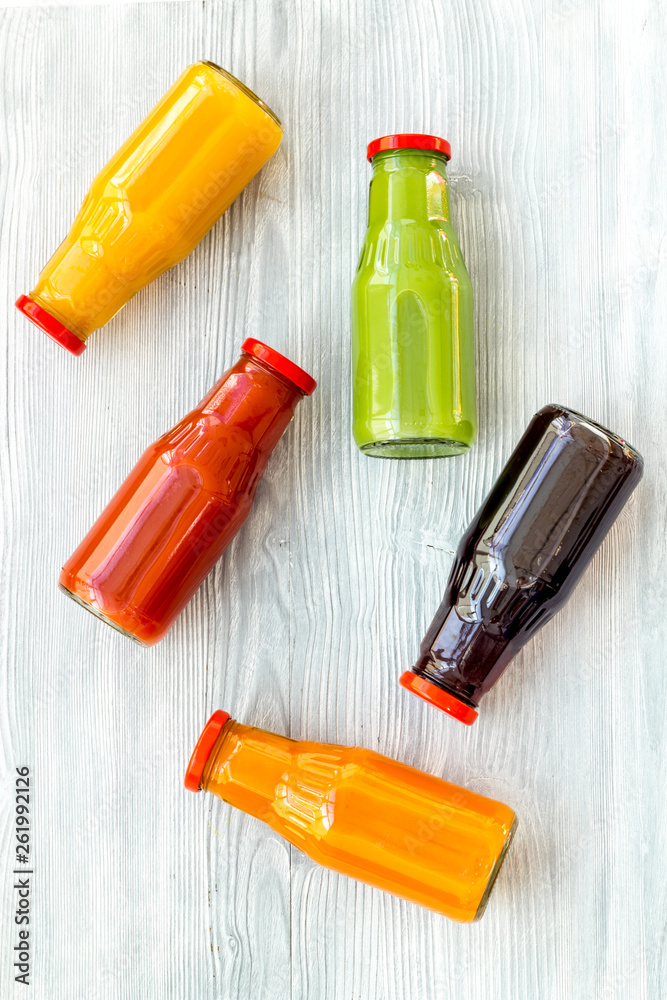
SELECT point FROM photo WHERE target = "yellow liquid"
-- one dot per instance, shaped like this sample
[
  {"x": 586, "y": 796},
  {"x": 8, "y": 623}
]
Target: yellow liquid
[
  {"x": 367, "y": 816},
  {"x": 158, "y": 196}
]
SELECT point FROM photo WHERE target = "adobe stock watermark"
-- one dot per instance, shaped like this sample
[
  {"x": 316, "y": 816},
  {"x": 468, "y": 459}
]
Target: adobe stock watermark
[
  {"x": 442, "y": 814},
  {"x": 23, "y": 873},
  {"x": 584, "y": 844},
  {"x": 93, "y": 140}
]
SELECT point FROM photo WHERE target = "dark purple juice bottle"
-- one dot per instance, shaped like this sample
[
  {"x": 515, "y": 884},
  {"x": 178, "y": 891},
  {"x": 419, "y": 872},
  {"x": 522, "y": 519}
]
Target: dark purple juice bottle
[{"x": 561, "y": 490}]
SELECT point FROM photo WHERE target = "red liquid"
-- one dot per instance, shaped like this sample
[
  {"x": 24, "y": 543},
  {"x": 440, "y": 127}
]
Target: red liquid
[{"x": 182, "y": 504}]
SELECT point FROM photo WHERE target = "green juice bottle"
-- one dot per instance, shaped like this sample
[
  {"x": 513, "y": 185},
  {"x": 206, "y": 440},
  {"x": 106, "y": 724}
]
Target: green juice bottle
[{"x": 413, "y": 350}]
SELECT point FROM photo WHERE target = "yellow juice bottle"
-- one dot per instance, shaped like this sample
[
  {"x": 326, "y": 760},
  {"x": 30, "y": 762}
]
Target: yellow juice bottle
[{"x": 154, "y": 201}]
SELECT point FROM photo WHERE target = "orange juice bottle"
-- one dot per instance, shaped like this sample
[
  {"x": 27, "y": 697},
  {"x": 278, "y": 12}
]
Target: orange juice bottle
[
  {"x": 154, "y": 201},
  {"x": 361, "y": 814}
]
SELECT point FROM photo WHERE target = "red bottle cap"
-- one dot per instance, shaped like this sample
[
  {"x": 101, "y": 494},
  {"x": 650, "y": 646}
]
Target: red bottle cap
[
  {"x": 202, "y": 751},
  {"x": 301, "y": 379},
  {"x": 50, "y": 325},
  {"x": 409, "y": 140},
  {"x": 436, "y": 696}
]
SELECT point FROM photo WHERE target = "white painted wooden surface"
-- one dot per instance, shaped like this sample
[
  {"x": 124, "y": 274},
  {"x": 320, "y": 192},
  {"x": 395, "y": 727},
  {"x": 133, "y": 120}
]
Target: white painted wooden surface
[{"x": 556, "y": 116}]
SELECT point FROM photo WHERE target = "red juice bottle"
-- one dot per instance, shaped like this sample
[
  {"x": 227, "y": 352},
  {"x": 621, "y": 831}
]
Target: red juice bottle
[
  {"x": 186, "y": 498},
  {"x": 525, "y": 551}
]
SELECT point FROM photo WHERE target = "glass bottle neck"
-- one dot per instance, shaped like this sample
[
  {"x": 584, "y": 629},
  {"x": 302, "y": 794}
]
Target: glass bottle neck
[
  {"x": 408, "y": 185},
  {"x": 254, "y": 399},
  {"x": 245, "y": 767}
]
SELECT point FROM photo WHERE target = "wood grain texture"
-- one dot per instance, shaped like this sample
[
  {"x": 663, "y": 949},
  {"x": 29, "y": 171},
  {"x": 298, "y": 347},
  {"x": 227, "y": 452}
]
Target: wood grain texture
[{"x": 555, "y": 112}]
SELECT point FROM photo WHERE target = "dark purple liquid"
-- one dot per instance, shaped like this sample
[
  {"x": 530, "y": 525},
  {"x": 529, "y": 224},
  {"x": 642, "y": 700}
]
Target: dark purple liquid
[{"x": 522, "y": 556}]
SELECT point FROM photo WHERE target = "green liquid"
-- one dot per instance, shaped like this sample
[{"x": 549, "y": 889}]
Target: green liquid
[{"x": 412, "y": 324}]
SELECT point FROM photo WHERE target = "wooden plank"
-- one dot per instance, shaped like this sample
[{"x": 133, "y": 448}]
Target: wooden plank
[{"x": 554, "y": 112}]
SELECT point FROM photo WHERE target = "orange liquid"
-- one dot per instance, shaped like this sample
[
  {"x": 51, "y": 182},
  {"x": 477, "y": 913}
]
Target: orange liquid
[
  {"x": 366, "y": 816},
  {"x": 158, "y": 196},
  {"x": 181, "y": 505}
]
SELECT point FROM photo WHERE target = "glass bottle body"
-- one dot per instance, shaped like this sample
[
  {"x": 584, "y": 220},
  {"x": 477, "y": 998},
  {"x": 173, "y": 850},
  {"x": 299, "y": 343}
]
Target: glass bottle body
[
  {"x": 366, "y": 816},
  {"x": 154, "y": 201},
  {"x": 413, "y": 352},
  {"x": 180, "y": 507},
  {"x": 524, "y": 553}
]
